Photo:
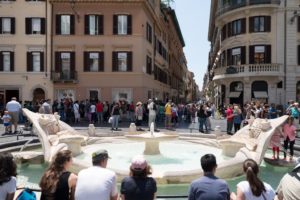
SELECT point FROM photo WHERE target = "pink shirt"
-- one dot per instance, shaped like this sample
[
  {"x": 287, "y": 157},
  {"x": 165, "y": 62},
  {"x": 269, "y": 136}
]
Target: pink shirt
[{"x": 289, "y": 131}]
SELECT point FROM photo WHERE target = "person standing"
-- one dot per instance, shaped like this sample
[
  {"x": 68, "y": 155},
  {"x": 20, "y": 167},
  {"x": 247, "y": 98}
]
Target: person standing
[
  {"x": 57, "y": 182},
  {"x": 76, "y": 112},
  {"x": 138, "y": 186},
  {"x": 152, "y": 113},
  {"x": 115, "y": 113},
  {"x": 97, "y": 182},
  {"x": 139, "y": 116},
  {"x": 99, "y": 108},
  {"x": 289, "y": 134},
  {"x": 168, "y": 114},
  {"x": 201, "y": 114},
  {"x": 237, "y": 118},
  {"x": 46, "y": 107},
  {"x": 209, "y": 187},
  {"x": 13, "y": 107},
  {"x": 229, "y": 118}
]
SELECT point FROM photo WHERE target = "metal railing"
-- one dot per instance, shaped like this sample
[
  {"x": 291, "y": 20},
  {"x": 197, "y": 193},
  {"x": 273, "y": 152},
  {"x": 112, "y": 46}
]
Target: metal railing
[
  {"x": 64, "y": 76},
  {"x": 232, "y": 6},
  {"x": 255, "y": 69}
]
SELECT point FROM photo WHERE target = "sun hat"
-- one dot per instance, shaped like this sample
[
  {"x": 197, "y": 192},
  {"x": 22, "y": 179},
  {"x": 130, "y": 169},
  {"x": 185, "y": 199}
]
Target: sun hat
[
  {"x": 138, "y": 163},
  {"x": 139, "y": 103},
  {"x": 100, "y": 154}
]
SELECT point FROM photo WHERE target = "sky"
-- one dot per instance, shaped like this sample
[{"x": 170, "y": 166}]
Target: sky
[{"x": 193, "y": 17}]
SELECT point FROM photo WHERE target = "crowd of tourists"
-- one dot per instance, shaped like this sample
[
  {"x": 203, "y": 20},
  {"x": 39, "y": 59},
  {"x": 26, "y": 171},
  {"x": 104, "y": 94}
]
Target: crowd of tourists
[{"x": 98, "y": 182}]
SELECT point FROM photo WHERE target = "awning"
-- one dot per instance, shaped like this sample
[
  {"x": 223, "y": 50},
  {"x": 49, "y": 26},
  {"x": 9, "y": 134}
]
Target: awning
[
  {"x": 260, "y": 94},
  {"x": 234, "y": 94}
]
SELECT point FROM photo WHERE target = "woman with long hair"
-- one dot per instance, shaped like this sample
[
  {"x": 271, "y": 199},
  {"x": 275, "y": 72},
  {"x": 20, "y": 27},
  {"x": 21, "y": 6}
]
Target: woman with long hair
[
  {"x": 58, "y": 183},
  {"x": 289, "y": 134},
  {"x": 8, "y": 173},
  {"x": 253, "y": 188},
  {"x": 138, "y": 186}
]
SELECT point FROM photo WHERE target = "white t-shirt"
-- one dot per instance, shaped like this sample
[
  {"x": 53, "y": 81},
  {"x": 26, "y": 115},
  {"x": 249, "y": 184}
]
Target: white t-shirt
[
  {"x": 93, "y": 108},
  {"x": 96, "y": 183},
  {"x": 245, "y": 188},
  {"x": 8, "y": 188}
]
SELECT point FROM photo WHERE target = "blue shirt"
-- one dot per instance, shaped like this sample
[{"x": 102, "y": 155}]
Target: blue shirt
[{"x": 209, "y": 187}]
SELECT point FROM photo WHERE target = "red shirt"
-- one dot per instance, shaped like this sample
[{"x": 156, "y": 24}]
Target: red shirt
[
  {"x": 229, "y": 114},
  {"x": 99, "y": 107}
]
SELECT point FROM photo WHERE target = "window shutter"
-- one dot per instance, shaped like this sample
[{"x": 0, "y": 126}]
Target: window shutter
[
  {"x": 101, "y": 61},
  {"x": 229, "y": 28},
  {"x": 268, "y": 54},
  {"x": 100, "y": 24},
  {"x": 72, "y": 67},
  {"x": 43, "y": 26},
  {"x": 243, "y": 55},
  {"x": 114, "y": 61},
  {"x": 0, "y": 25},
  {"x": 129, "y": 24},
  {"x": 86, "y": 61},
  {"x": 251, "y": 54},
  {"x": 129, "y": 61},
  {"x": 29, "y": 62},
  {"x": 1, "y": 61},
  {"x": 28, "y": 25},
  {"x": 42, "y": 61},
  {"x": 298, "y": 19},
  {"x": 13, "y": 25},
  {"x": 58, "y": 24},
  {"x": 229, "y": 57},
  {"x": 72, "y": 24},
  {"x": 251, "y": 24},
  {"x": 57, "y": 62},
  {"x": 298, "y": 54},
  {"x": 115, "y": 24},
  {"x": 87, "y": 24},
  {"x": 243, "y": 26},
  {"x": 12, "y": 61},
  {"x": 267, "y": 23}
]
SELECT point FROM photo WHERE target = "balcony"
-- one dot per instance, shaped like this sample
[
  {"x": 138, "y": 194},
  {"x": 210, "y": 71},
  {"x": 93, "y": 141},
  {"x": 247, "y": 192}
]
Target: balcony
[
  {"x": 232, "y": 6},
  {"x": 64, "y": 77},
  {"x": 248, "y": 70}
]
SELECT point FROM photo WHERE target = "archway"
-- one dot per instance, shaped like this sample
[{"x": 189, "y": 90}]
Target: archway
[
  {"x": 38, "y": 95},
  {"x": 236, "y": 95},
  {"x": 259, "y": 91}
]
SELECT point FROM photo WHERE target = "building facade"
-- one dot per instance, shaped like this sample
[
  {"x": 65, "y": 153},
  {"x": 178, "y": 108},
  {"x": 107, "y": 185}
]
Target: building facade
[
  {"x": 24, "y": 51},
  {"x": 112, "y": 50},
  {"x": 254, "y": 51}
]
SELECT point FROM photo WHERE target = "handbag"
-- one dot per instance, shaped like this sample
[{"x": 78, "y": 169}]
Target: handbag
[{"x": 110, "y": 120}]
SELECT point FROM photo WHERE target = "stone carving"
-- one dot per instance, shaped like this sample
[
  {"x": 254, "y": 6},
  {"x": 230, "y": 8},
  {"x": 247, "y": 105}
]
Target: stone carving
[{"x": 54, "y": 134}]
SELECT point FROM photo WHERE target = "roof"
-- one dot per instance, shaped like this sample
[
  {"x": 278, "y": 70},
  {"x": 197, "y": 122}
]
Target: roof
[{"x": 177, "y": 27}]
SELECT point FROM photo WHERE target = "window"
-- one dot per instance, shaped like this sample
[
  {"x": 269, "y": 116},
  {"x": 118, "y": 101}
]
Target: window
[
  {"x": 260, "y": 24},
  {"x": 65, "y": 25},
  {"x": 122, "y": 25},
  {"x": 94, "y": 94},
  {"x": 149, "y": 33},
  {"x": 260, "y": 54},
  {"x": 236, "y": 27},
  {"x": 7, "y": 25},
  {"x": 93, "y": 61},
  {"x": 6, "y": 61},
  {"x": 2, "y": 1},
  {"x": 122, "y": 61},
  {"x": 149, "y": 65},
  {"x": 35, "y": 25},
  {"x": 65, "y": 65},
  {"x": 94, "y": 24},
  {"x": 35, "y": 61},
  {"x": 236, "y": 56}
]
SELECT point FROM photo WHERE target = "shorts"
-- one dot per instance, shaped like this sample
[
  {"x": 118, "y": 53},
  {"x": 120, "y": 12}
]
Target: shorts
[
  {"x": 6, "y": 124},
  {"x": 14, "y": 117}
]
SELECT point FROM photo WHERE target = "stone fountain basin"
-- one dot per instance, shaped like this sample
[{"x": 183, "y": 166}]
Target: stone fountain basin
[{"x": 155, "y": 136}]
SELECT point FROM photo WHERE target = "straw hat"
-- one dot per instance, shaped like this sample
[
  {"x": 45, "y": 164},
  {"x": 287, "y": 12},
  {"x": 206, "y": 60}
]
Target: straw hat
[{"x": 139, "y": 103}]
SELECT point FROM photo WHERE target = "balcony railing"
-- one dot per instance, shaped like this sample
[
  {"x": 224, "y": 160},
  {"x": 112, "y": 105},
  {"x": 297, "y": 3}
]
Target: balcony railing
[
  {"x": 248, "y": 70},
  {"x": 64, "y": 76},
  {"x": 232, "y": 6}
]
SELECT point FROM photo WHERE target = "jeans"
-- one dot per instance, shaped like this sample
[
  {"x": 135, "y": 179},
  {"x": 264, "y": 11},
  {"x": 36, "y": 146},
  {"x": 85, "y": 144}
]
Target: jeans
[
  {"x": 229, "y": 126},
  {"x": 286, "y": 144},
  {"x": 100, "y": 117},
  {"x": 202, "y": 121},
  {"x": 115, "y": 122}
]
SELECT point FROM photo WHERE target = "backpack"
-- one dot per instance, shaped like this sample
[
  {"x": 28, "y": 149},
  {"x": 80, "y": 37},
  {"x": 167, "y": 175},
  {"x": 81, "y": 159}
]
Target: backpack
[
  {"x": 27, "y": 194},
  {"x": 154, "y": 106}
]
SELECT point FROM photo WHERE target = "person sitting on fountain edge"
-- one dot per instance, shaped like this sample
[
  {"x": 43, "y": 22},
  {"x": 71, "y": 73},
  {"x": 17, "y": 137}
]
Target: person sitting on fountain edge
[{"x": 209, "y": 187}]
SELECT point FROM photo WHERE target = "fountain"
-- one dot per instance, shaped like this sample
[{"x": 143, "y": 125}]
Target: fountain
[
  {"x": 151, "y": 140},
  {"x": 176, "y": 160}
]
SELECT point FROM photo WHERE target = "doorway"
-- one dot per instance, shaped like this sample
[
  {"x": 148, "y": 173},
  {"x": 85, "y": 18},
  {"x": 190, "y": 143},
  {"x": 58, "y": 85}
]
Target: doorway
[
  {"x": 38, "y": 95},
  {"x": 10, "y": 94}
]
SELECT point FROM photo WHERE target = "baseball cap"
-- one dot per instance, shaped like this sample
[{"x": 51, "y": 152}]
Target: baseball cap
[
  {"x": 138, "y": 163},
  {"x": 100, "y": 154}
]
